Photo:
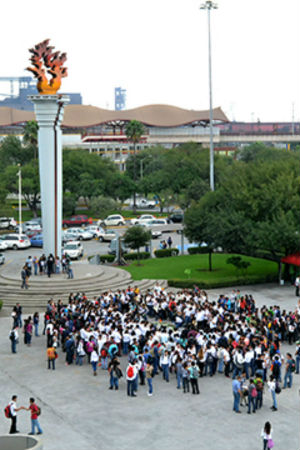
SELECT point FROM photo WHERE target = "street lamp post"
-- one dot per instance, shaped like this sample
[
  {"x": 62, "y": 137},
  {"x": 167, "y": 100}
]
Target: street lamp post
[
  {"x": 209, "y": 5},
  {"x": 20, "y": 199}
]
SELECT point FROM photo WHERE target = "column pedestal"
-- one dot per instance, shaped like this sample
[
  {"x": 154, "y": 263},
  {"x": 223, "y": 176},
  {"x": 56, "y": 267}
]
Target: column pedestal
[{"x": 49, "y": 114}]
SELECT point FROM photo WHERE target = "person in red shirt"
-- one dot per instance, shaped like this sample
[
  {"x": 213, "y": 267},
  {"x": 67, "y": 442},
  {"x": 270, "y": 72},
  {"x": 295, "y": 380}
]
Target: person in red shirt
[{"x": 35, "y": 411}]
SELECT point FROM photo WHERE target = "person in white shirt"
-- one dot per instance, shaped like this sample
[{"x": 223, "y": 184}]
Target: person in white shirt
[
  {"x": 13, "y": 414},
  {"x": 266, "y": 434}
]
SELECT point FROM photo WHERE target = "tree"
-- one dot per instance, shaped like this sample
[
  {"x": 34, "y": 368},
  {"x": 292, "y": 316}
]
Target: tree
[
  {"x": 134, "y": 130},
  {"x": 30, "y": 136},
  {"x": 103, "y": 206},
  {"x": 136, "y": 237}
]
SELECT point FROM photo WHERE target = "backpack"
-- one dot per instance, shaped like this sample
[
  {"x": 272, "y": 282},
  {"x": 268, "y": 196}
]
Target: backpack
[
  {"x": 254, "y": 392},
  {"x": 12, "y": 336},
  {"x": 130, "y": 372},
  {"x": 293, "y": 365},
  {"x": 277, "y": 388},
  {"x": 39, "y": 411},
  {"x": 103, "y": 353},
  {"x": 260, "y": 385},
  {"x": 7, "y": 412}
]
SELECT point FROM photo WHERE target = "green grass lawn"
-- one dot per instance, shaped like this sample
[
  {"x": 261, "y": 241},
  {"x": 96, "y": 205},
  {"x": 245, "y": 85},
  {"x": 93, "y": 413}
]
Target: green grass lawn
[{"x": 174, "y": 267}]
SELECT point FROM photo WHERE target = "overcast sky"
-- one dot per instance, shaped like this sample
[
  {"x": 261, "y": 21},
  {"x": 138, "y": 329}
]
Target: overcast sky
[{"x": 157, "y": 50}]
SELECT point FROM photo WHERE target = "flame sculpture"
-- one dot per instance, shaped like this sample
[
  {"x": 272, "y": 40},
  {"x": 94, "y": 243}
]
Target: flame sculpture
[{"x": 44, "y": 60}]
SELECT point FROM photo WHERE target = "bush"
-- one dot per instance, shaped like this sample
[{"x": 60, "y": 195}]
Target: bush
[
  {"x": 228, "y": 282},
  {"x": 134, "y": 256},
  {"x": 197, "y": 250},
  {"x": 166, "y": 252},
  {"x": 107, "y": 258},
  {"x": 1, "y": 304}
]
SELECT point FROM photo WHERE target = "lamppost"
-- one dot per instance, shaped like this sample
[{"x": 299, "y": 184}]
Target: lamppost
[
  {"x": 209, "y": 5},
  {"x": 20, "y": 199}
]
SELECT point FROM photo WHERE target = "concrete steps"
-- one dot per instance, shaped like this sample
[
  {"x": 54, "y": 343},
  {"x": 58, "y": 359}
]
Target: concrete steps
[{"x": 41, "y": 289}]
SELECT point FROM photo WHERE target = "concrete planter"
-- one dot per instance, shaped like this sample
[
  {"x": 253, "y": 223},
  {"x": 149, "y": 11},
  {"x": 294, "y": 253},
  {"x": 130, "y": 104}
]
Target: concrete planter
[{"x": 20, "y": 442}]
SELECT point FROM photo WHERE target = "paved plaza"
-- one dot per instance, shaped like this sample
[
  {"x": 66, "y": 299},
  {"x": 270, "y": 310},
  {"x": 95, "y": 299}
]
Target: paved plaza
[{"x": 79, "y": 412}]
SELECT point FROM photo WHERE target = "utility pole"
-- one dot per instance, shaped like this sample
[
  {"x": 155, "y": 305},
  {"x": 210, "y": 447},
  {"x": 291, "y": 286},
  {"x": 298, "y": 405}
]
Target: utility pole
[{"x": 209, "y": 5}]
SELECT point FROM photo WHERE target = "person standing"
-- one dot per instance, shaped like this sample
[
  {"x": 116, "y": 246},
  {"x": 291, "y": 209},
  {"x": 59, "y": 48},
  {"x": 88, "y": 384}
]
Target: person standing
[
  {"x": 169, "y": 241},
  {"x": 297, "y": 286},
  {"x": 236, "y": 390},
  {"x": 14, "y": 339},
  {"x": 24, "y": 278},
  {"x": 288, "y": 377},
  {"x": 36, "y": 320},
  {"x": 94, "y": 361},
  {"x": 13, "y": 414},
  {"x": 273, "y": 385},
  {"x": 266, "y": 434},
  {"x": 297, "y": 355},
  {"x": 35, "y": 411},
  {"x": 114, "y": 373},
  {"x": 51, "y": 355},
  {"x": 131, "y": 374},
  {"x": 194, "y": 375},
  {"x": 149, "y": 373}
]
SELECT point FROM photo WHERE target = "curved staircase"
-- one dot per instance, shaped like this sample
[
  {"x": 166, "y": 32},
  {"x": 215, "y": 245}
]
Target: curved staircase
[{"x": 90, "y": 279}]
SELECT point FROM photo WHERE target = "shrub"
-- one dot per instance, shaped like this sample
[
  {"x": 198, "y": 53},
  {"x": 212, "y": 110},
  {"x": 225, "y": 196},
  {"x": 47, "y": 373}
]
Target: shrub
[
  {"x": 134, "y": 256},
  {"x": 1, "y": 304},
  {"x": 107, "y": 258},
  {"x": 228, "y": 282},
  {"x": 197, "y": 250},
  {"x": 166, "y": 252}
]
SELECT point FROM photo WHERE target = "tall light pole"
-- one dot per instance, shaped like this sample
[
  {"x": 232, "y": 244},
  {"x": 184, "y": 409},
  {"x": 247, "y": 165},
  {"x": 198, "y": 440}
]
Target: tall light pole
[
  {"x": 20, "y": 199},
  {"x": 209, "y": 5}
]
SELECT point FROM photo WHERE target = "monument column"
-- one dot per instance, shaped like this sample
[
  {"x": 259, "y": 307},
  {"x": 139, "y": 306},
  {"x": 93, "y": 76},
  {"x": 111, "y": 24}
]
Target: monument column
[
  {"x": 49, "y": 113},
  {"x": 49, "y": 108}
]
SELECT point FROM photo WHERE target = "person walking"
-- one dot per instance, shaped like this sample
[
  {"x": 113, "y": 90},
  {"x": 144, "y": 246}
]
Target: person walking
[
  {"x": 35, "y": 412},
  {"x": 236, "y": 390},
  {"x": 14, "y": 339},
  {"x": 266, "y": 434},
  {"x": 24, "y": 278},
  {"x": 13, "y": 414}
]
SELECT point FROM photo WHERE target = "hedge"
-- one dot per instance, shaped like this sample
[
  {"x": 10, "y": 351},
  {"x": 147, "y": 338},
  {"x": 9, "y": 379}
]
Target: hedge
[
  {"x": 1, "y": 304},
  {"x": 107, "y": 258},
  {"x": 135, "y": 255},
  {"x": 197, "y": 250},
  {"x": 166, "y": 252},
  {"x": 188, "y": 284}
]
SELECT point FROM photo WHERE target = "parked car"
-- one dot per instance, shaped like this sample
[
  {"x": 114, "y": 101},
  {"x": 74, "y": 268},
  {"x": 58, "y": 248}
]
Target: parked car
[
  {"x": 3, "y": 245},
  {"x": 68, "y": 237},
  {"x": 82, "y": 235},
  {"x": 33, "y": 225},
  {"x": 80, "y": 220},
  {"x": 16, "y": 241},
  {"x": 175, "y": 217},
  {"x": 107, "y": 235},
  {"x": 155, "y": 234},
  {"x": 73, "y": 250},
  {"x": 7, "y": 223},
  {"x": 94, "y": 230},
  {"x": 2, "y": 258},
  {"x": 144, "y": 203},
  {"x": 156, "y": 222},
  {"x": 113, "y": 220},
  {"x": 37, "y": 240},
  {"x": 142, "y": 219}
]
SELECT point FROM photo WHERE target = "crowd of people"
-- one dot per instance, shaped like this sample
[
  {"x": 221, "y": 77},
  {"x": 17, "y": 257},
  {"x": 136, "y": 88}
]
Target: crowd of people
[{"x": 181, "y": 333}]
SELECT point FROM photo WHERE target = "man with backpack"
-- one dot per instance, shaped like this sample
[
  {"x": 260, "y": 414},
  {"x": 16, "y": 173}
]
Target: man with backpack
[
  {"x": 35, "y": 411},
  {"x": 289, "y": 369},
  {"x": 11, "y": 413},
  {"x": 131, "y": 374},
  {"x": 14, "y": 339}
]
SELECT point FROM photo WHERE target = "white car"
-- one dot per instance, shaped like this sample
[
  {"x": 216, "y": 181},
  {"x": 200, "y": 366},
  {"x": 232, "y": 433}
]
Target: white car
[
  {"x": 73, "y": 250},
  {"x": 156, "y": 222},
  {"x": 107, "y": 235},
  {"x": 82, "y": 234},
  {"x": 94, "y": 230},
  {"x": 33, "y": 225},
  {"x": 15, "y": 241},
  {"x": 3, "y": 245},
  {"x": 142, "y": 219},
  {"x": 114, "y": 220},
  {"x": 155, "y": 234},
  {"x": 7, "y": 223}
]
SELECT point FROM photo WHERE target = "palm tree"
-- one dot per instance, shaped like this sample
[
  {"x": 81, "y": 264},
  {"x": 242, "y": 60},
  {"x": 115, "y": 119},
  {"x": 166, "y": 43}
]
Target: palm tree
[{"x": 134, "y": 130}]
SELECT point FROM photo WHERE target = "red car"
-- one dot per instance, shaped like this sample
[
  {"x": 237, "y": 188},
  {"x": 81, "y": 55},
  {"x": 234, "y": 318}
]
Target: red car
[{"x": 77, "y": 221}]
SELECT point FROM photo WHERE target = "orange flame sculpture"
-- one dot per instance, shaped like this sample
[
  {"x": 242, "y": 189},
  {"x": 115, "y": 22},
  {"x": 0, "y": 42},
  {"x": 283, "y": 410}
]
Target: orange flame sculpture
[{"x": 44, "y": 60}]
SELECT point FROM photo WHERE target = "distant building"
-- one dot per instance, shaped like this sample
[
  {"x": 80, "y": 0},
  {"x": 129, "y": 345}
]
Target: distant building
[
  {"x": 26, "y": 87},
  {"x": 120, "y": 99}
]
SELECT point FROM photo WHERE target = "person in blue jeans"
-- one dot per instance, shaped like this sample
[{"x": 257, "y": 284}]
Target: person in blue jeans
[
  {"x": 236, "y": 390},
  {"x": 34, "y": 410},
  {"x": 149, "y": 374},
  {"x": 252, "y": 394},
  {"x": 288, "y": 377},
  {"x": 297, "y": 355},
  {"x": 114, "y": 373}
]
